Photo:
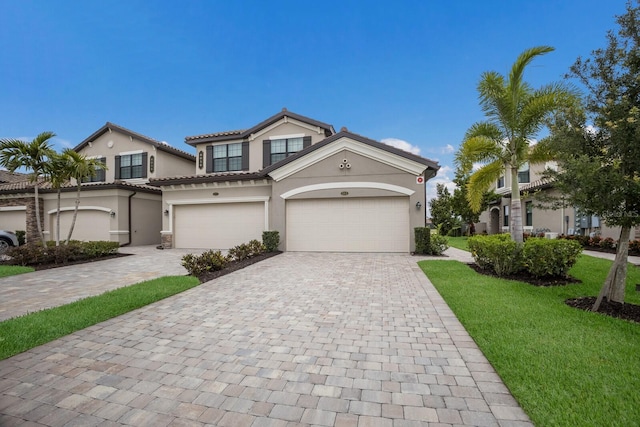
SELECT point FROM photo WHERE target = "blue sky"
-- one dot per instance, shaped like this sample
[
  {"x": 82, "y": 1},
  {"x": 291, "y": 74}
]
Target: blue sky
[{"x": 402, "y": 70}]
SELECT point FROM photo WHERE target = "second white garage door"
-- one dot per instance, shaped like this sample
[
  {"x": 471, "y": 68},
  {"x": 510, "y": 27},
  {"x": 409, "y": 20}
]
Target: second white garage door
[
  {"x": 90, "y": 225},
  {"x": 218, "y": 225},
  {"x": 348, "y": 225}
]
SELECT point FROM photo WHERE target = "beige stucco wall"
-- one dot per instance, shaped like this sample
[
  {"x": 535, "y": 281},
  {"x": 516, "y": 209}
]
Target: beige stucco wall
[
  {"x": 146, "y": 222},
  {"x": 114, "y": 143},
  {"x": 362, "y": 169},
  {"x": 280, "y": 128}
]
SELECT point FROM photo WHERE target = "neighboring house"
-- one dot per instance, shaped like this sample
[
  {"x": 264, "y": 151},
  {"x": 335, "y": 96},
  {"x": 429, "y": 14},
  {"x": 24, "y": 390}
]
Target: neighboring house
[
  {"x": 117, "y": 205},
  {"x": 12, "y": 214},
  {"x": 321, "y": 190},
  {"x": 535, "y": 219}
]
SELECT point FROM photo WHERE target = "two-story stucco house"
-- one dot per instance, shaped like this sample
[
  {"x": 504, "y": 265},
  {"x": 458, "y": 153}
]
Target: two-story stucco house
[
  {"x": 321, "y": 190},
  {"x": 117, "y": 205},
  {"x": 535, "y": 218}
]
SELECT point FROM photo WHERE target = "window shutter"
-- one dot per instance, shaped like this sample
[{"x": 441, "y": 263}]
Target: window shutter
[
  {"x": 266, "y": 153},
  {"x": 209, "y": 159},
  {"x": 101, "y": 172},
  {"x": 245, "y": 156},
  {"x": 117, "y": 171},
  {"x": 144, "y": 165},
  {"x": 306, "y": 141}
]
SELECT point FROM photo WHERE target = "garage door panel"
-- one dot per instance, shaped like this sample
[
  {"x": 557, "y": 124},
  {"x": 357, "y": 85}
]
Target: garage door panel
[
  {"x": 348, "y": 225},
  {"x": 90, "y": 225},
  {"x": 13, "y": 220},
  {"x": 217, "y": 226}
]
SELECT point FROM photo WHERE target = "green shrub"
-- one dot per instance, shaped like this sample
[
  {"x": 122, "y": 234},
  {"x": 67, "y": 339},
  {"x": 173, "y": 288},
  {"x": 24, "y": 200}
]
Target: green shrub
[
  {"x": 634, "y": 247},
  {"x": 423, "y": 240},
  {"x": 36, "y": 254},
  {"x": 595, "y": 241},
  {"x": 22, "y": 237},
  {"x": 271, "y": 240},
  {"x": 99, "y": 248},
  {"x": 208, "y": 261},
  {"x": 550, "y": 257},
  {"x": 246, "y": 250},
  {"x": 497, "y": 253},
  {"x": 438, "y": 244},
  {"x": 256, "y": 248},
  {"x": 607, "y": 243}
]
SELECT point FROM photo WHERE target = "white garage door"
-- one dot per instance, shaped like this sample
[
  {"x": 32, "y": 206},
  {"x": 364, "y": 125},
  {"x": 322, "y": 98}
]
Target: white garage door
[
  {"x": 348, "y": 225},
  {"x": 90, "y": 225},
  {"x": 13, "y": 220},
  {"x": 218, "y": 225}
]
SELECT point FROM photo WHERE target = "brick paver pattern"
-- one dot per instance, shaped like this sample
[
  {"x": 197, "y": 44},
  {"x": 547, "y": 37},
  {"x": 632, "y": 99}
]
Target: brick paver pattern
[{"x": 298, "y": 339}]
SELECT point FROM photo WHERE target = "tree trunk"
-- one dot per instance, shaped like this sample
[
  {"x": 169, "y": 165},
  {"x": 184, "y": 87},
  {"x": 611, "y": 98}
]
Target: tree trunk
[
  {"x": 58, "y": 220},
  {"x": 615, "y": 284},
  {"x": 38, "y": 219},
  {"x": 516, "y": 209},
  {"x": 75, "y": 214}
]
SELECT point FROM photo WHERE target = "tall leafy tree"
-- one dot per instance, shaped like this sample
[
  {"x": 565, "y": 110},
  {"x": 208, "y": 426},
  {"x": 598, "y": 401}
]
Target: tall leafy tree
[
  {"x": 600, "y": 164},
  {"x": 442, "y": 213},
  {"x": 32, "y": 156},
  {"x": 79, "y": 167},
  {"x": 515, "y": 113},
  {"x": 460, "y": 201}
]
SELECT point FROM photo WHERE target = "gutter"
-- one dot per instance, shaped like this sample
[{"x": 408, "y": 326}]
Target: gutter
[{"x": 129, "y": 207}]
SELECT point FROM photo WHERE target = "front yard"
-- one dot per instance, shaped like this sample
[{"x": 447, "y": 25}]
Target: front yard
[{"x": 564, "y": 366}]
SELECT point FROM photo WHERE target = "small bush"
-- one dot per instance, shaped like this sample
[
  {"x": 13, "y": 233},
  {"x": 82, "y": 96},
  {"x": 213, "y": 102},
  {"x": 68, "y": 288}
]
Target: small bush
[
  {"x": 595, "y": 241},
  {"x": 634, "y": 247},
  {"x": 271, "y": 240},
  {"x": 246, "y": 250},
  {"x": 550, "y": 257},
  {"x": 99, "y": 248},
  {"x": 607, "y": 243},
  {"x": 36, "y": 254},
  {"x": 497, "y": 253},
  {"x": 22, "y": 237},
  {"x": 438, "y": 244},
  {"x": 423, "y": 240},
  {"x": 208, "y": 261}
]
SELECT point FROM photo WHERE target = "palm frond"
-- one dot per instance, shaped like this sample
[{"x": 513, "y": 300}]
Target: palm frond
[
  {"x": 524, "y": 59},
  {"x": 480, "y": 181}
]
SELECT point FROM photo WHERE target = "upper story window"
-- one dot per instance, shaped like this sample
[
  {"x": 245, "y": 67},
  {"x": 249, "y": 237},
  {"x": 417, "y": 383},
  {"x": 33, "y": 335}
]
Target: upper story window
[
  {"x": 523, "y": 173},
  {"x": 130, "y": 166},
  {"x": 501, "y": 182},
  {"x": 99, "y": 172},
  {"x": 528, "y": 207},
  {"x": 228, "y": 157},
  {"x": 277, "y": 149},
  {"x": 505, "y": 215}
]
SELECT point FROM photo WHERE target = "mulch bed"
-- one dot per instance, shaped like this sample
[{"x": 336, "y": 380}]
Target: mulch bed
[
  {"x": 82, "y": 261},
  {"x": 236, "y": 265},
  {"x": 523, "y": 276},
  {"x": 614, "y": 309}
]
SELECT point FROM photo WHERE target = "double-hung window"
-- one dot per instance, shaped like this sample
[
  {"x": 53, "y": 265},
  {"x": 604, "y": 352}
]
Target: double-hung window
[
  {"x": 523, "y": 173},
  {"x": 99, "y": 175},
  {"x": 130, "y": 166},
  {"x": 505, "y": 215},
  {"x": 227, "y": 157},
  {"x": 283, "y": 148},
  {"x": 528, "y": 207},
  {"x": 501, "y": 182}
]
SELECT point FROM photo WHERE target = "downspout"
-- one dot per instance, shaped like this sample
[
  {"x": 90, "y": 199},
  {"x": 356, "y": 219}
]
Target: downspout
[{"x": 129, "y": 207}]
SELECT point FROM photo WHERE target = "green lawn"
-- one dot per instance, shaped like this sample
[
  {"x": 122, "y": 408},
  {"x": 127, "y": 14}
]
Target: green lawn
[
  {"x": 565, "y": 366},
  {"x": 25, "y": 332},
  {"x": 12, "y": 270},
  {"x": 459, "y": 242}
]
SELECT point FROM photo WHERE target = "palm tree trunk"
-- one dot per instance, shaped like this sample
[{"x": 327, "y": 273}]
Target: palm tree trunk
[
  {"x": 38, "y": 221},
  {"x": 516, "y": 208},
  {"x": 58, "y": 220},
  {"x": 615, "y": 284},
  {"x": 75, "y": 214}
]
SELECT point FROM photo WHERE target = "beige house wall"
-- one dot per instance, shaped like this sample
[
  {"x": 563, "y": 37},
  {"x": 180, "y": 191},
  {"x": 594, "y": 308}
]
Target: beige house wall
[{"x": 282, "y": 128}]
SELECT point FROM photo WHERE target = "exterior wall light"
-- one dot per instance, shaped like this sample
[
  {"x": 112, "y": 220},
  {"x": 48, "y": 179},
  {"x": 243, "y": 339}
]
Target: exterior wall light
[
  {"x": 112, "y": 214},
  {"x": 166, "y": 211},
  {"x": 418, "y": 204}
]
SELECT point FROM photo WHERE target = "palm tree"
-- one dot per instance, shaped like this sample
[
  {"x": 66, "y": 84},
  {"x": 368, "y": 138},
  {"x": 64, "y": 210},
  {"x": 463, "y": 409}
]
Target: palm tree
[
  {"x": 80, "y": 168},
  {"x": 515, "y": 114},
  {"x": 58, "y": 172},
  {"x": 33, "y": 156}
]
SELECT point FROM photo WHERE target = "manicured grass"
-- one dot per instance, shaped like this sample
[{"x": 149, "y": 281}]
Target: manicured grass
[
  {"x": 565, "y": 366},
  {"x": 25, "y": 332},
  {"x": 12, "y": 270},
  {"x": 459, "y": 242}
]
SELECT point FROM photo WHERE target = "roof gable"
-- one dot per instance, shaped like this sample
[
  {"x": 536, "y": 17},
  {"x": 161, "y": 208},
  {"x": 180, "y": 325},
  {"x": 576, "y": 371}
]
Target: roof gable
[
  {"x": 366, "y": 147},
  {"x": 155, "y": 143},
  {"x": 246, "y": 133}
]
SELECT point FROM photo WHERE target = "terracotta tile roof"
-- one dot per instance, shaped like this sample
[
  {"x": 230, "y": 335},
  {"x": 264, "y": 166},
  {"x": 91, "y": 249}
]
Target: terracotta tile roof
[
  {"x": 45, "y": 187},
  {"x": 6, "y": 176},
  {"x": 162, "y": 146},
  {"x": 210, "y": 177},
  {"x": 538, "y": 184},
  {"x": 240, "y": 134}
]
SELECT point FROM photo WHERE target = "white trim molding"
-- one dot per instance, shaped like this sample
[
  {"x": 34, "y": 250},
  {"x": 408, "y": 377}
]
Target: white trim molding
[
  {"x": 12, "y": 208},
  {"x": 293, "y": 135},
  {"x": 81, "y": 208},
  {"x": 345, "y": 143},
  {"x": 250, "y": 199},
  {"x": 338, "y": 185},
  {"x": 128, "y": 153},
  {"x": 285, "y": 119},
  {"x": 118, "y": 232}
]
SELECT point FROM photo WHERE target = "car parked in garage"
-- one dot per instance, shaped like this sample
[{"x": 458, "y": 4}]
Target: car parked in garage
[{"x": 7, "y": 240}]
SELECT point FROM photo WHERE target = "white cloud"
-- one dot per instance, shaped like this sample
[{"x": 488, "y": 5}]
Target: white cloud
[
  {"x": 448, "y": 149},
  {"x": 476, "y": 166},
  {"x": 444, "y": 176},
  {"x": 401, "y": 144}
]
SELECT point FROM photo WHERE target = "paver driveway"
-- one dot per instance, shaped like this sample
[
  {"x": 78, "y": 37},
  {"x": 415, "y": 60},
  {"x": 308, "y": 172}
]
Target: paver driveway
[{"x": 298, "y": 339}]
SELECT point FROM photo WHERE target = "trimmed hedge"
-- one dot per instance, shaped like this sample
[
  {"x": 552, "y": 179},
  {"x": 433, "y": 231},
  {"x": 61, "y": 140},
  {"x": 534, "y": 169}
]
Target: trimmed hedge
[
  {"x": 246, "y": 251},
  {"x": 35, "y": 254},
  {"x": 208, "y": 261},
  {"x": 271, "y": 240},
  {"x": 428, "y": 244},
  {"x": 539, "y": 257}
]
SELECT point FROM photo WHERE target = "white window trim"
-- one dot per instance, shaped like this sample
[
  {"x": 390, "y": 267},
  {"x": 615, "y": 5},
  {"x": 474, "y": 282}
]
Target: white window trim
[
  {"x": 12, "y": 208},
  {"x": 128, "y": 153},
  {"x": 81, "y": 208},
  {"x": 293, "y": 135}
]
